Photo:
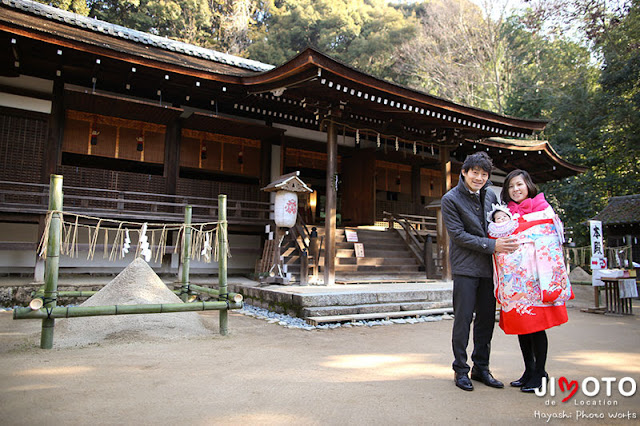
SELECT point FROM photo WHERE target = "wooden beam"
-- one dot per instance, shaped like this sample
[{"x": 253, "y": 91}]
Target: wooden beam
[{"x": 330, "y": 206}]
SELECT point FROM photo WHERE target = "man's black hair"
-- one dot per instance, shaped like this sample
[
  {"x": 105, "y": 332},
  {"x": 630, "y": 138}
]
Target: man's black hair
[{"x": 479, "y": 159}]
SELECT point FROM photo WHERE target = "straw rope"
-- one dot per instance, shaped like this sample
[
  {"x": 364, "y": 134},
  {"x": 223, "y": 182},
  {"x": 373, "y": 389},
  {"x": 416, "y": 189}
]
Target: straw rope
[
  {"x": 581, "y": 256},
  {"x": 71, "y": 225}
]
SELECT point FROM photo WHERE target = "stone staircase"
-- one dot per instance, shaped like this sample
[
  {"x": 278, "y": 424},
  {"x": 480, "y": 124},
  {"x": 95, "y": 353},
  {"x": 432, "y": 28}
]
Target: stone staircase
[
  {"x": 386, "y": 283},
  {"x": 385, "y": 256},
  {"x": 351, "y": 302}
]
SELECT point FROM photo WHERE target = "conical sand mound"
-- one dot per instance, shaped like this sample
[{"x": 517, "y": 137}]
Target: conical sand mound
[
  {"x": 136, "y": 284},
  {"x": 579, "y": 275}
]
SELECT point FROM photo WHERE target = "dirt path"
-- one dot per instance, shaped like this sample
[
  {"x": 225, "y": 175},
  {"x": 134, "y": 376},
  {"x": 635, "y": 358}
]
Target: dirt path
[{"x": 265, "y": 374}]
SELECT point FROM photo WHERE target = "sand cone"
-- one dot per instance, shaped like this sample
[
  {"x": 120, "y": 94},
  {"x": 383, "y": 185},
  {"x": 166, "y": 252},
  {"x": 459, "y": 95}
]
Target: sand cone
[{"x": 136, "y": 284}]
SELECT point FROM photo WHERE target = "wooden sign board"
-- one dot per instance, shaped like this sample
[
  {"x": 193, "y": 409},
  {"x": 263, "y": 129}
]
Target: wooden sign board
[
  {"x": 352, "y": 236},
  {"x": 359, "y": 249}
]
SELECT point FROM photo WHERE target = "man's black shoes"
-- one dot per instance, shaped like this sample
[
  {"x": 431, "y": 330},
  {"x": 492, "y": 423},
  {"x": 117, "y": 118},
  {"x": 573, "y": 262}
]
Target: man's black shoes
[
  {"x": 463, "y": 382},
  {"x": 485, "y": 377}
]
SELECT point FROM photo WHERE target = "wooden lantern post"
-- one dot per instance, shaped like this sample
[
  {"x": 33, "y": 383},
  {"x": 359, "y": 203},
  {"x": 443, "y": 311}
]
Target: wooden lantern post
[{"x": 285, "y": 216}]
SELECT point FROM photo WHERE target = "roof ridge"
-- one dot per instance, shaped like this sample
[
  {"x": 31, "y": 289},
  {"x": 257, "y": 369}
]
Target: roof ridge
[
  {"x": 622, "y": 197},
  {"x": 115, "y": 30}
]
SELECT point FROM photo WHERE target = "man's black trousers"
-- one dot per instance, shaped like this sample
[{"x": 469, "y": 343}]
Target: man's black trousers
[{"x": 472, "y": 294}]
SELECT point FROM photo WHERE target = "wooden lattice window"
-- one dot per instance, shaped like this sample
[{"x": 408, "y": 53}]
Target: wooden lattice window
[
  {"x": 22, "y": 140},
  {"x": 223, "y": 153},
  {"x": 112, "y": 137}
]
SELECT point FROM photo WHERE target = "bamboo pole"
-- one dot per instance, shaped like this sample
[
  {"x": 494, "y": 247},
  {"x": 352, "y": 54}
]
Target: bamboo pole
[
  {"x": 89, "y": 311},
  {"x": 70, "y": 293},
  {"x": 186, "y": 254},
  {"x": 193, "y": 288},
  {"x": 222, "y": 260},
  {"x": 52, "y": 262},
  {"x": 236, "y": 297}
]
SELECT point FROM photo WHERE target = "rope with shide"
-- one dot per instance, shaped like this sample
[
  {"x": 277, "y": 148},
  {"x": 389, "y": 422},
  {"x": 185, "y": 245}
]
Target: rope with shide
[{"x": 204, "y": 235}]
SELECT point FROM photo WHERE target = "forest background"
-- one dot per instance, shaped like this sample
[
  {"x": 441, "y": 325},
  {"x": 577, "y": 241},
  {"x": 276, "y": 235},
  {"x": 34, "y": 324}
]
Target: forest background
[{"x": 575, "y": 63}]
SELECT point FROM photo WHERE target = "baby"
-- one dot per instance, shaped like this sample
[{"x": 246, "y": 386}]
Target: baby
[
  {"x": 499, "y": 216},
  {"x": 501, "y": 222}
]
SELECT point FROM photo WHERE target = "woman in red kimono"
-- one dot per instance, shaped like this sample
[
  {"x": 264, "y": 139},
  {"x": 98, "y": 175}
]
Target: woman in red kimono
[{"x": 531, "y": 283}]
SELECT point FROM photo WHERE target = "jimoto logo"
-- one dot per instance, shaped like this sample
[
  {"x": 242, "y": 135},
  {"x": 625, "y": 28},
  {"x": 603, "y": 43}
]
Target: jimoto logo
[{"x": 590, "y": 387}]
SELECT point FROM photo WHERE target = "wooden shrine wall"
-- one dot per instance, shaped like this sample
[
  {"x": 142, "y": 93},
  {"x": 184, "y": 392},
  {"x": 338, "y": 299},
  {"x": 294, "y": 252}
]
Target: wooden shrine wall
[
  {"x": 301, "y": 159},
  {"x": 23, "y": 137}
]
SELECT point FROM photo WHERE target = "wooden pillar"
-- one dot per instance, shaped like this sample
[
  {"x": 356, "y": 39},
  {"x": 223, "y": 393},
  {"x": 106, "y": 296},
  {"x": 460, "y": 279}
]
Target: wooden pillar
[
  {"x": 265, "y": 164},
  {"x": 330, "y": 207},
  {"x": 416, "y": 190},
  {"x": 443, "y": 237},
  {"x": 445, "y": 164},
  {"x": 172, "y": 140},
  {"x": 51, "y": 158},
  {"x": 443, "y": 244},
  {"x": 53, "y": 147}
]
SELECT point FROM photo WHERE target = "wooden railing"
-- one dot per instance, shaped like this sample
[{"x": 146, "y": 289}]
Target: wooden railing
[
  {"x": 418, "y": 233},
  {"x": 20, "y": 197}
]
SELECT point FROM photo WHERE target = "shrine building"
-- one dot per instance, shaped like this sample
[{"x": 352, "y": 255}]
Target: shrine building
[{"x": 140, "y": 125}]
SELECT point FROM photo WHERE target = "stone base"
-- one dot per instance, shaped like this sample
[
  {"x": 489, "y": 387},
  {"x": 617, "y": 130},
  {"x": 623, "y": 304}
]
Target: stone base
[{"x": 275, "y": 280}]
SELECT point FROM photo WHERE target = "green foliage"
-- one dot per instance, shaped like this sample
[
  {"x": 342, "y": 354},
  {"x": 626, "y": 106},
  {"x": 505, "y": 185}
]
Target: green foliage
[
  {"x": 183, "y": 20},
  {"x": 456, "y": 55},
  {"x": 76, "y": 6},
  {"x": 575, "y": 63},
  {"x": 360, "y": 33},
  {"x": 236, "y": 24},
  {"x": 593, "y": 108}
]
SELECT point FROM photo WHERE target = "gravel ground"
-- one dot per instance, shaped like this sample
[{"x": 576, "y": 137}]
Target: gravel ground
[{"x": 267, "y": 374}]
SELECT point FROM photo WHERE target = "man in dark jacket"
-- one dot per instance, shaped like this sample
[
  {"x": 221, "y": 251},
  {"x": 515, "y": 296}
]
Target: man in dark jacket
[{"x": 463, "y": 210}]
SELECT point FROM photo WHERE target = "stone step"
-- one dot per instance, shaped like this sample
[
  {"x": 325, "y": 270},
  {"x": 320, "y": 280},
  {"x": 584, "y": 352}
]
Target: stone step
[
  {"x": 378, "y": 269},
  {"x": 350, "y": 298},
  {"x": 343, "y": 256},
  {"x": 380, "y": 245},
  {"x": 353, "y": 270},
  {"x": 390, "y": 268},
  {"x": 312, "y": 301},
  {"x": 363, "y": 234},
  {"x": 320, "y": 311},
  {"x": 379, "y": 261},
  {"x": 375, "y": 252},
  {"x": 376, "y": 315}
]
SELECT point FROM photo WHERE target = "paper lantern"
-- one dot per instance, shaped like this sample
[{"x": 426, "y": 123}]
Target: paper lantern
[{"x": 286, "y": 208}]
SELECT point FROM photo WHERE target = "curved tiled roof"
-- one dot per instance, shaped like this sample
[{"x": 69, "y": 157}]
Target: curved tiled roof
[
  {"x": 621, "y": 210},
  {"x": 113, "y": 30}
]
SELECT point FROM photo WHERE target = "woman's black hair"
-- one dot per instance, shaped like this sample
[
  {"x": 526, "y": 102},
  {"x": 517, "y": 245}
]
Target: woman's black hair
[
  {"x": 479, "y": 159},
  {"x": 532, "y": 189}
]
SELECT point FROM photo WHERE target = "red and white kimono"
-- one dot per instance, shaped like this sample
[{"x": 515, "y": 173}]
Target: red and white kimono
[{"x": 532, "y": 284}]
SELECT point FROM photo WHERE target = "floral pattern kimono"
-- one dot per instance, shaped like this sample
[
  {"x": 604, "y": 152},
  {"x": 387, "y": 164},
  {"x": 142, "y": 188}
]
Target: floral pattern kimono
[{"x": 532, "y": 284}]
